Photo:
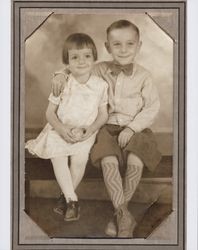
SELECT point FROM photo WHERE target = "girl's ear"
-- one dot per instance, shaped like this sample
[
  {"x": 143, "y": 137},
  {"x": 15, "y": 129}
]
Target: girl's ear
[{"x": 107, "y": 47}]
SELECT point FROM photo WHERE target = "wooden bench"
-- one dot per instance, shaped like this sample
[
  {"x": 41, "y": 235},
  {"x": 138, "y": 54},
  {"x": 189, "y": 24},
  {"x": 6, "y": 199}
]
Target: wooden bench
[{"x": 39, "y": 169}]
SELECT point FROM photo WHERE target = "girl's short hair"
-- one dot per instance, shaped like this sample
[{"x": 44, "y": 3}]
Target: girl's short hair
[
  {"x": 78, "y": 41},
  {"x": 120, "y": 24}
]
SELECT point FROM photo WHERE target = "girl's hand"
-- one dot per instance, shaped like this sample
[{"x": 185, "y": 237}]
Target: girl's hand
[
  {"x": 67, "y": 134},
  {"x": 124, "y": 137},
  {"x": 77, "y": 133},
  {"x": 87, "y": 133}
]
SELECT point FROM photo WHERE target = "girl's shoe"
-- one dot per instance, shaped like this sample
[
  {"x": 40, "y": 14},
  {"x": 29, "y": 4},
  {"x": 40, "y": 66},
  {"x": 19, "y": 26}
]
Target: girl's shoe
[
  {"x": 61, "y": 205},
  {"x": 73, "y": 211}
]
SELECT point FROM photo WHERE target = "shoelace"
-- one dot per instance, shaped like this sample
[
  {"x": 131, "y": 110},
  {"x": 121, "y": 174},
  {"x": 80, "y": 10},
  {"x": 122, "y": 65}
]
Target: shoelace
[
  {"x": 61, "y": 200},
  {"x": 72, "y": 204},
  {"x": 123, "y": 220}
]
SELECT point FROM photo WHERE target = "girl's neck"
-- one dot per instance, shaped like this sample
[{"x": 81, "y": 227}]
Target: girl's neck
[{"x": 82, "y": 79}]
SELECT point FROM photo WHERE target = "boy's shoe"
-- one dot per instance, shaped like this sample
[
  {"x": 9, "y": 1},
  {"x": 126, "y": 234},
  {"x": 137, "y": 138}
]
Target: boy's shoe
[
  {"x": 125, "y": 221},
  {"x": 111, "y": 228},
  {"x": 73, "y": 211},
  {"x": 61, "y": 205}
]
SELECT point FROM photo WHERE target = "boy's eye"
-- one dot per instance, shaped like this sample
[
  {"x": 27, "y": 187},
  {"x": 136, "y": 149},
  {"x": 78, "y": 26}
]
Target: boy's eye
[
  {"x": 88, "y": 56},
  {"x": 74, "y": 57},
  {"x": 116, "y": 44}
]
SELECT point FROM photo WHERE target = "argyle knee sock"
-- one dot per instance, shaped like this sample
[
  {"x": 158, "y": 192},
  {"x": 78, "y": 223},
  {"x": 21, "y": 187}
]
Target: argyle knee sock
[
  {"x": 113, "y": 182},
  {"x": 131, "y": 180}
]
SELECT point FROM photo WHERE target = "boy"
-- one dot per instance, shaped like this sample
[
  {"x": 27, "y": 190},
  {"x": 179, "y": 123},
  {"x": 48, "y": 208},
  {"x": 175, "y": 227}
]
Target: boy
[{"x": 133, "y": 105}]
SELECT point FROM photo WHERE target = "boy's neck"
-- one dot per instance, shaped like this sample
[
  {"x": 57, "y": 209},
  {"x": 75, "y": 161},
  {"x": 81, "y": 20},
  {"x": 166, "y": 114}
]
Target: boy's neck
[
  {"x": 83, "y": 78},
  {"x": 115, "y": 62}
]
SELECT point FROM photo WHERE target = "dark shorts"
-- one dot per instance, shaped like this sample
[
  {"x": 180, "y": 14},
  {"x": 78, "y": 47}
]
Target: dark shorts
[{"x": 141, "y": 144}]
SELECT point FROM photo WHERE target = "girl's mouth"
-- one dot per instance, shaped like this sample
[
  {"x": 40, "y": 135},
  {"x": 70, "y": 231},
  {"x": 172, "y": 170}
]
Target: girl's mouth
[{"x": 82, "y": 67}]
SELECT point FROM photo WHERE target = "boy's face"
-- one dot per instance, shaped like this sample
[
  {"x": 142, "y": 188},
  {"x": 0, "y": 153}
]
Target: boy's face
[
  {"x": 80, "y": 61},
  {"x": 123, "y": 44}
]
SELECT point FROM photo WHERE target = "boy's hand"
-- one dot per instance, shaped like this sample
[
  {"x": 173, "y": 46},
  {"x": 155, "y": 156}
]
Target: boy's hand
[
  {"x": 124, "y": 137},
  {"x": 58, "y": 84}
]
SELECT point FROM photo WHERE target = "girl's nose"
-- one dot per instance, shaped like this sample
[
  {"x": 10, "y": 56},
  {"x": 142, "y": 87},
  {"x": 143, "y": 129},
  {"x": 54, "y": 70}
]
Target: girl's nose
[{"x": 81, "y": 60}]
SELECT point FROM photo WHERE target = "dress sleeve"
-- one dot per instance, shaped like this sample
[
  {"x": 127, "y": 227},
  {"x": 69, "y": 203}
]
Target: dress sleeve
[
  {"x": 53, "y": 99},
  {"x": 104, "y": 94}
]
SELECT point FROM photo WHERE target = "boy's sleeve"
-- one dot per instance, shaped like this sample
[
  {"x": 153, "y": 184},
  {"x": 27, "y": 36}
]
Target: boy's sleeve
[
  {"x": 98, "y": 69},
  {"x": 104, "y": 94},
  {"x": 65, "y": 71},
  {"x": 61, "y": 76},
  {"x": 150, "y": 108},
  {"x": 58, "y": 80},
  {"x": 95, "y": 70}
]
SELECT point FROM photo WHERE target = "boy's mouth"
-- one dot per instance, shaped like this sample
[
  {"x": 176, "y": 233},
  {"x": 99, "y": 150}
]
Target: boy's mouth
[{"x": 123, "y": 56}]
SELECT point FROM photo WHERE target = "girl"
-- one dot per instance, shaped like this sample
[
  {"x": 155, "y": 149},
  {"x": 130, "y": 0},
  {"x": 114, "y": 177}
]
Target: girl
[{"x": 74, "y": 119}]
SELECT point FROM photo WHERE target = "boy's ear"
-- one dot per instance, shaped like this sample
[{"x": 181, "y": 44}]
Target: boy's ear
[
  {"x": 107, "y": 47},
  {"x": 139, "y": 46}
]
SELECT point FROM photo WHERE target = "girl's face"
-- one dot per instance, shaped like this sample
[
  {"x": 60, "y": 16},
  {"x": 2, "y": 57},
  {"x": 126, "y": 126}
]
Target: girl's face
[{"x": 80, "y": 61}]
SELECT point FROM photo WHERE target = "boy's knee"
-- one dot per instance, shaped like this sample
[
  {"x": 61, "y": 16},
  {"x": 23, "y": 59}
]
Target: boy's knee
[
  {"x": 134, "y": 160},
  {"x": 109, "y": 160}
]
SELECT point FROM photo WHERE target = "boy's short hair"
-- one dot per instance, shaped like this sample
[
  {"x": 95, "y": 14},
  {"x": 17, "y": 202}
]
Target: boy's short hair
[
  {"x": 78, "y": 41},
  {"x": 122, "y": 24}
]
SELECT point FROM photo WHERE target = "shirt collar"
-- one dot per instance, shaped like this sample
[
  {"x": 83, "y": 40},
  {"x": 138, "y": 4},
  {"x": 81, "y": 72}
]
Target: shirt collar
[{"x": 75, "y": 82}]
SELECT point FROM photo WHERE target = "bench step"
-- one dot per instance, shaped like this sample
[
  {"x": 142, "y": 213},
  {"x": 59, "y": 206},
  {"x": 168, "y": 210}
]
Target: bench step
[
  {"x": 40, "y": 182},
  {"x": 149, "y": 190},
  {"x": 39, "y": 169}
]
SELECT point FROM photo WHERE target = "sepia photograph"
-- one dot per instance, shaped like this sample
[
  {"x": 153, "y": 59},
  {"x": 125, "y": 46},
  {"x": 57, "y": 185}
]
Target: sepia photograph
[{"x": 98, "y": 112}]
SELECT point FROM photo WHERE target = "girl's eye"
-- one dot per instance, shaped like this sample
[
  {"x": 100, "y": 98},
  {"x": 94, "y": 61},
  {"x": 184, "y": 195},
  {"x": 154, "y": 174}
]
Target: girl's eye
[{"x": 87, "y": 56}]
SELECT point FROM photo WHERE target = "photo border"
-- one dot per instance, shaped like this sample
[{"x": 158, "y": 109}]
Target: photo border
[{"x": 16, "y": 122}]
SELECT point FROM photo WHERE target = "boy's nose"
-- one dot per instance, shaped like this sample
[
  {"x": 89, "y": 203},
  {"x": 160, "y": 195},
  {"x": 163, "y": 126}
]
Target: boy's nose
[{"x": 123, "y": 48}]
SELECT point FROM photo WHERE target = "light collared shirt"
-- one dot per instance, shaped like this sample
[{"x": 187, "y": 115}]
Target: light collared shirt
[{"x": 133, "y": 100}]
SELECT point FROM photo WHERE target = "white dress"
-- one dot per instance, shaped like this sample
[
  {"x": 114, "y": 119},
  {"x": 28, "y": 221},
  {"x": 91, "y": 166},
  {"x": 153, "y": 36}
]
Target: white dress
[{"x": 77, "y": 106}]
